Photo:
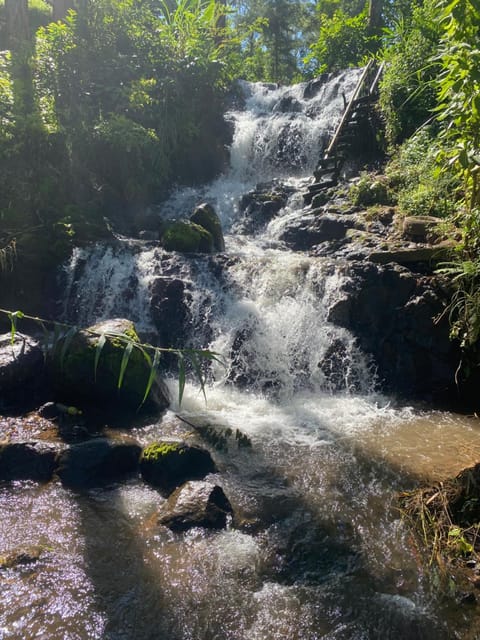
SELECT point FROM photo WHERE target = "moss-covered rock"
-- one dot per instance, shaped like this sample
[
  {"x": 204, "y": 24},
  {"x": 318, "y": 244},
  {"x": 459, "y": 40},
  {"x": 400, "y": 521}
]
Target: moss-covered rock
[
  {"x": 168, "y": 464},
  {"x": 205, "y": 216},
  {"x": 187, "y": 237},
  {"x": 78, "y": 380}
]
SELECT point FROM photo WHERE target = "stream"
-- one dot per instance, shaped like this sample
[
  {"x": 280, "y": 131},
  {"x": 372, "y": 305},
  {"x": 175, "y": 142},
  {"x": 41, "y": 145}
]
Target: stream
[{"x": 320, "y": 550}]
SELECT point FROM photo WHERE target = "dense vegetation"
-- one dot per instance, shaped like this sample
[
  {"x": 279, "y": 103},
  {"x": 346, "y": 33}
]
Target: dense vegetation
[{"x": 106, "y": 104}]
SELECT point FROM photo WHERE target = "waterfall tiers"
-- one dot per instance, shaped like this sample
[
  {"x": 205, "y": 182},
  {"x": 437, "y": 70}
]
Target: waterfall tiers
[{"x": 303, "y": 447}]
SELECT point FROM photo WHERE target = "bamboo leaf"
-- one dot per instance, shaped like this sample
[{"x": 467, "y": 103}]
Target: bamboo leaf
[
  {"x": 67, "y": 340},
  {"x": 198, "y": 372},
  {"x": 98, "y": 350},
  {"x": 153, "y": 373},
  {"x": 181, "y": 377},
  {"x": 126, "y": 357}
]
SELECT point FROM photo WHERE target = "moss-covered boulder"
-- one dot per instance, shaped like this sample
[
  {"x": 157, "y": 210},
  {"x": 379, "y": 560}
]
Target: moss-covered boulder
[
  {"x": 167, "y": 464},
  {"x": 187, "y": 237},
  {"x": 206, "y": 216},
  {"x": 195, "y": 504},
  {"x": 87, "y": 374}
]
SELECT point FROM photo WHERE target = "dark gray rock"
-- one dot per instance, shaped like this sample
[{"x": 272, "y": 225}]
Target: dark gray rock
[
  {"x": 396, "y": 316},
  {"x": 98, "y": 462},
  {"x": 314, "y": 228},
  {"x": 167, "y": 464},
  {"x": 261, "y": 205},
  {"x": 170, "y": 310},
  {"x": 22, "y": 370},
  {"x": 28, "y": 461},
  {"x": 195, "y": 504}
]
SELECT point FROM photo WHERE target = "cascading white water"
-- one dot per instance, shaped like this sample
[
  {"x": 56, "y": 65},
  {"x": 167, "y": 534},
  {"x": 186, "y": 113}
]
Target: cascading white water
[{"x": 317, "y": 551}]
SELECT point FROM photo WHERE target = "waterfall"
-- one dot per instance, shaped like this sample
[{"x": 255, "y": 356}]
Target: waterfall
[
  {"x": 317, "y": 549},
  {"x": 270, "y": 322}
]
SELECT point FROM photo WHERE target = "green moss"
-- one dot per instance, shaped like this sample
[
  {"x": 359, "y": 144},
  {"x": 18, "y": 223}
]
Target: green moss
[
  {"x": 205, "y": 216},
  {"x": 187, "y": 237},
  {"x": 157, "y": 450}
]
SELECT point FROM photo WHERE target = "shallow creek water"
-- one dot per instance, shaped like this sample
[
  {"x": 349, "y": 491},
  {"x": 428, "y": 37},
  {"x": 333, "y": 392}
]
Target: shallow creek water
[{"x": 320, "y": 551}]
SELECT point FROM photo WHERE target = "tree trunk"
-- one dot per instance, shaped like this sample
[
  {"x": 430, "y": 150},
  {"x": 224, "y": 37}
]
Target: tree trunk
[
  {"x": 16, "y": 12},
  {"x": 60, "y": 8},
  {"x": 375, "y": 18}
]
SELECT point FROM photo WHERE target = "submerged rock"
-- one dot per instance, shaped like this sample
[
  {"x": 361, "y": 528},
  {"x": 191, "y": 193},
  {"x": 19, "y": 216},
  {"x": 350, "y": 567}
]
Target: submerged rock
[
  {"x": 79, "y": 380},
  {"x": 167, "y": 464},
  {"x": 28, "y": 461},
  {"x": 20, "y": 557},
  {"x": 97, "y": 462},
  {"x": 195, "y": 504},
  {"x": 205, "y": 216}
]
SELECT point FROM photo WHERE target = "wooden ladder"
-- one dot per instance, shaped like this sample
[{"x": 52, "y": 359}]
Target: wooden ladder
[{"x": 356, "y": 113}]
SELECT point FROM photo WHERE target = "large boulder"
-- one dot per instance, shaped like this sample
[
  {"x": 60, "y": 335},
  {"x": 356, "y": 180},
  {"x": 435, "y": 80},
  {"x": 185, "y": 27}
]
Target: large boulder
[
  {"x": 392, "y": 311},
  {"x": 206, "y": 216},
  {"x": 28, "y": 461},
  {"x": 97, "y": 462},
  {"x": 195, "y": 504},
  {"x": 22, "y": 370},
  {"x": 79, "y": 381},
  {"x": 187, "y": 237},
  {"x": 169, "y": 463}
]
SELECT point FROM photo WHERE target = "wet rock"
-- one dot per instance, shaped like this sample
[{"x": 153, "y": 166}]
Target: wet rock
[
  {"x": 187, "y": 237},
  {"x": 98, "y": 462},
  {"x": 314, "y": 228},
  {"x": 261, "y": 205},
  {"x": 287, "y": 104},
  {"x": 206, "y": 216},
  {"x": 167, "y": 464},
  {"x": 196, "y": 504},
  {"x": 28, "y": 461},
  {"x": 170, "y": 310},
  {"x": 22, "y": 371},
  {"x": 391, "y": 312},
  {"x": 20, "y": 557},
  {"x": 79, "y": 381},
  {"x": 313, "y": 87}
]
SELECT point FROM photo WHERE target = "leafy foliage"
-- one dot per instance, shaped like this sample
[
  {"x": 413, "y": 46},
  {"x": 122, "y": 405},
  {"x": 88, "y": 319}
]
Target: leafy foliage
[
  {"x": 421, "y": 187},
  {"x": 407, "y": 97},
  {"x": 344, "y": 41}
]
